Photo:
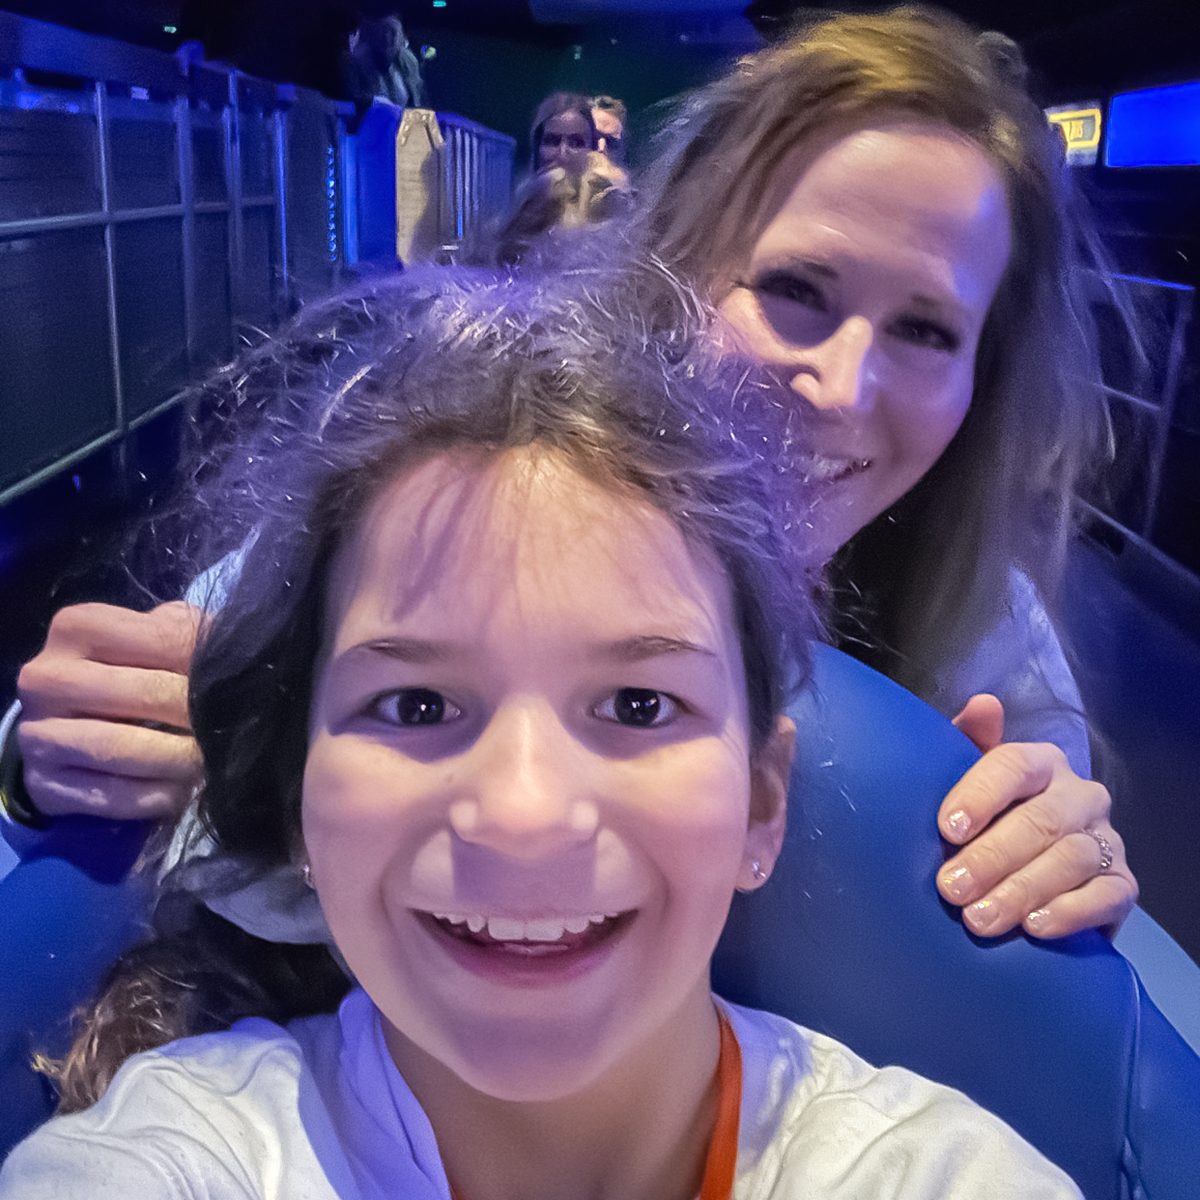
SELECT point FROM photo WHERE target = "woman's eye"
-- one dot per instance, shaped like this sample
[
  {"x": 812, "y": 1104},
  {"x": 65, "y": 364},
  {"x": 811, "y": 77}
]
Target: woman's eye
[
  {"x": 414, "y": 706},
  {"x": 639, "y": 707},
  {"x": 927, "y": 334},
  {"x": 791, "y": 287}
]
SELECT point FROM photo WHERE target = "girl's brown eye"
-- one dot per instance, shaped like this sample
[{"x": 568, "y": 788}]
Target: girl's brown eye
[
  {"x": 639, "y": 708},
  {"x": 415, "y": 706}
]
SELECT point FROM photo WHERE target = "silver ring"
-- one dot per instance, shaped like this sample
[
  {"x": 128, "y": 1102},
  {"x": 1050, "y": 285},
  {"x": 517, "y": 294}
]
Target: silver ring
[{"x": 1106, "y": 850}]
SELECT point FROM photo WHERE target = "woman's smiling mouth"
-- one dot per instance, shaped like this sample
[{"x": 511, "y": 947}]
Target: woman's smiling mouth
[{"x": 820, "y": 468}]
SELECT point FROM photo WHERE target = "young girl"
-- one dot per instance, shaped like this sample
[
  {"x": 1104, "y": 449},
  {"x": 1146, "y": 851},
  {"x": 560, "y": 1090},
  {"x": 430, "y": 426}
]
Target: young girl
[{"x": 502, "y": 680}]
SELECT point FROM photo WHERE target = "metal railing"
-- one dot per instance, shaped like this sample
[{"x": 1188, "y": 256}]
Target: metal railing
[
  {"x": 155, "y": 207},
  {"x": 1143, "y": 401}
]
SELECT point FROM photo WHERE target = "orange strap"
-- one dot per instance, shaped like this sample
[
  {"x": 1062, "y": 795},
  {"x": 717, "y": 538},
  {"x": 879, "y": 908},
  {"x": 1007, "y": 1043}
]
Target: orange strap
[{"x": 720, "y": 1161}]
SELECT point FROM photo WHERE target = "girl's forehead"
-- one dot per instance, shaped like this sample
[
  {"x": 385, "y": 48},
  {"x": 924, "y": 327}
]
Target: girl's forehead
[{"x": 460, "y": 535}]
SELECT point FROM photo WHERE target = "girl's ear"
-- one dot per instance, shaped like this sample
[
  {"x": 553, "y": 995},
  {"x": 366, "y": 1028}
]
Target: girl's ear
[{"x": 770, "y": 773}]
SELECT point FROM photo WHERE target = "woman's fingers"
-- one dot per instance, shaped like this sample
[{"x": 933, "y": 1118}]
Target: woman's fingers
[
  {"x": 104, "y": 726},
  {"x": 1103, "y": 902},
  {"x": 982, "y": 720},
  {"x": 1069, "y": 864},
  {"x": 79, "y": 688},
  {"x": 73, "y": 790},
  {"x": 1033, "y": 853},
  {"x": 162, "y": 639},
  {"x": 106, "y": 768},
  {"x": 1002, "y": 777}
]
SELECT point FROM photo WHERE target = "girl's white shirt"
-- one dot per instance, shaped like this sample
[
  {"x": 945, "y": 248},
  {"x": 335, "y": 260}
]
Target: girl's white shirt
[{"x": 318, "y": 1111}]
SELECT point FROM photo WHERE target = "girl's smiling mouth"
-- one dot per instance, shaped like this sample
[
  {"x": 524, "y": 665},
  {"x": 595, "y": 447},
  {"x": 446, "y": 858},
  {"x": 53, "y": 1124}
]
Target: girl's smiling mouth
[{"x": 545, "y": 948}]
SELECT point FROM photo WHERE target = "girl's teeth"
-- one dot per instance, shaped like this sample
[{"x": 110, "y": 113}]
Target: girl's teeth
[
  {"x": 543, "y": 931},
  {"x": 503, "y": 929},
  {"x": 509, "y": 929}
]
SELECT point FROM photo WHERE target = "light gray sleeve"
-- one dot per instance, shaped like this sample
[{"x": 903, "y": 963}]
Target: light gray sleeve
[
  {"x": 1021, "y": 661},
  {"x": 57, "y": 1164}
]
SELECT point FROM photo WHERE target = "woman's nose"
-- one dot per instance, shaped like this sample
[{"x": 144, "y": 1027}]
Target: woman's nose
[
  {"x": 526, "y": 792},
  {"x": 837, "y": 373}
]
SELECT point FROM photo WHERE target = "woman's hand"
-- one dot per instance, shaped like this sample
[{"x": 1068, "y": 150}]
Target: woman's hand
[
  {"x": 1032, "y": 833},
  {"x": 104, "y": 726}
]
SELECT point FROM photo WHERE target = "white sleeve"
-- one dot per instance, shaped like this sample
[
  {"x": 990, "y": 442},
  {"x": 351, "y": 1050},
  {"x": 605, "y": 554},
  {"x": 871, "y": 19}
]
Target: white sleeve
[
  {"x": 1021, "y": 661},
  {"x": 207, "y": 1118},
  {"x": 892, "y": 1133},
  {"x": 65, "y": 1165},
  {"x": 15, "y": 839}
]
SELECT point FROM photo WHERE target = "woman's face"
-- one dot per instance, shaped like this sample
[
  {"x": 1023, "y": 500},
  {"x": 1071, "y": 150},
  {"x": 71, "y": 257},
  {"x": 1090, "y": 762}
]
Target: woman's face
[
  {"x": 529, "y": 796},
  {"x": 869, "y": 286},
  {"x": 565, "y": 142}
]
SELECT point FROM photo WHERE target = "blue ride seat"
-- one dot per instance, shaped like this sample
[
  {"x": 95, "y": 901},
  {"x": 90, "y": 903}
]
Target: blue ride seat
[{"x": 848, "y": 937}]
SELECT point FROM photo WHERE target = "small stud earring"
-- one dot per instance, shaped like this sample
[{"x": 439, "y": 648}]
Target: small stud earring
[
  {"x": 306, "y": 875},
  {"x": 756, "y": 869}
]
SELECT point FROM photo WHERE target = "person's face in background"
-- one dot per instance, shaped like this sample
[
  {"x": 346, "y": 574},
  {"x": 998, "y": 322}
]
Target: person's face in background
[
  {"x": 565, "y": 142},
  {"x": 610, "y": 135},
  {"x": 868, "y": 287}
]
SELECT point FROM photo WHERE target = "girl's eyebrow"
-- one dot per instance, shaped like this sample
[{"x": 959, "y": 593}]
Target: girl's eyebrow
[
  {"x": 643, "y": 646},
  {"x": 407, "y": 649},
  {"x": 421, "y": 651}
]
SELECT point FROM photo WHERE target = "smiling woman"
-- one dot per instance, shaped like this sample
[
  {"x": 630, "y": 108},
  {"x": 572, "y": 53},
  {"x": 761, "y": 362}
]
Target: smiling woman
[
  {"x": 882, "y": 214},
  {"x": 502, "y": 678}
]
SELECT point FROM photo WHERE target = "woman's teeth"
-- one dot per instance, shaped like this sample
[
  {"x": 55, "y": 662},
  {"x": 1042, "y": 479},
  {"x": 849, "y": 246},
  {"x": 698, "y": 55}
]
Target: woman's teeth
[
  {"x": 509, "y": 929},
  {"x": 826, "y": 470}
]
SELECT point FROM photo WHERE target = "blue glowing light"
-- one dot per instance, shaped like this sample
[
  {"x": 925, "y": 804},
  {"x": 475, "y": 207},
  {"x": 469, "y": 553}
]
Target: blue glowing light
[
  {"x": 331, "y": 202},
  {"x": 439, "y": 3},
  {"x": 1155, "y": 127}
]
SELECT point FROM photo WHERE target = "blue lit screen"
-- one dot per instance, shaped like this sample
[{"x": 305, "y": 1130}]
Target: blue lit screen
[{"x": 1156, "y": 127}]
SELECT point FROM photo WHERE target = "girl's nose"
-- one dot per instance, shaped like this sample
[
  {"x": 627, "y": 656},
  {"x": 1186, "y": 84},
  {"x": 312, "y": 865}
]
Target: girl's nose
[
  {"x": 837, "y": 374},
  {"x": 527, "y": 792}
]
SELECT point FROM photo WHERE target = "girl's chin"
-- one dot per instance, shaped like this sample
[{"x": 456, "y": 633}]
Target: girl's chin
[{"x": 533, "y": 1065}]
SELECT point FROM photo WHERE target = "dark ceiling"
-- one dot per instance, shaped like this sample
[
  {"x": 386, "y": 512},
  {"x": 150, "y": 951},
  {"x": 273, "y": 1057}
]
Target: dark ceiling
[{"x": 1103, "y": 44}]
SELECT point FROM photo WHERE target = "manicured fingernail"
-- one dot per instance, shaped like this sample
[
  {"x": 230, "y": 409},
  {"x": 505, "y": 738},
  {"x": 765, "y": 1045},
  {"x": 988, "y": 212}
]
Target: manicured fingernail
[
  {"x": 983, "y": 914},
  {"x": 958, "y": 884},
  {"x": 959, "y": 823},
  {"x": 1038, "y": 917}
]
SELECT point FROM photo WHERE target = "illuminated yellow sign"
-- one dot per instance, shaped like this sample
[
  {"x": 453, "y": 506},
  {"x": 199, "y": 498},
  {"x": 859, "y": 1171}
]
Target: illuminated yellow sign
[{"x": 1080, "y": 125}]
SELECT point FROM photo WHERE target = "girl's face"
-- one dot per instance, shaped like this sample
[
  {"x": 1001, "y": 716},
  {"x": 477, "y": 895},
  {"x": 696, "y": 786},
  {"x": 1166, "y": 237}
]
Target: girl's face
[
  {"x": 529, "y": 794},
  {"x": 565, "y": 142},
  {"x": 869, "y": 286}
]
